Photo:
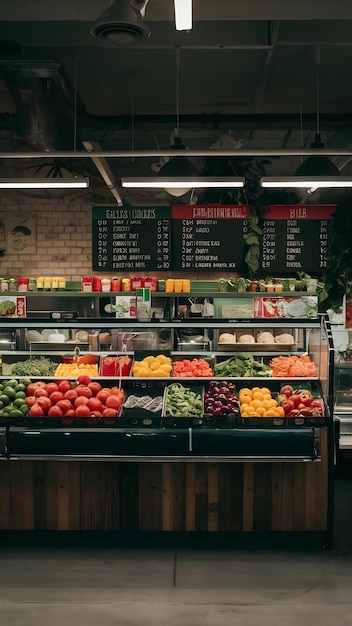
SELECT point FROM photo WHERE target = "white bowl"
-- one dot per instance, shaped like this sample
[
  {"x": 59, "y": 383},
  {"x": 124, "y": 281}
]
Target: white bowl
[{"x": 56, "y": 338}]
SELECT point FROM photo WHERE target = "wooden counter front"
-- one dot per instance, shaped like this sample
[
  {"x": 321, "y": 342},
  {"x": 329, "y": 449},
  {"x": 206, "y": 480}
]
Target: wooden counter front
[{"x": 148, "y": 496}]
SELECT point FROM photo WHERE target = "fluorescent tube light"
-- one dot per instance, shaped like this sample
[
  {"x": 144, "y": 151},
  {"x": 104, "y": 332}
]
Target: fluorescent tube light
[
  {"x": 182, "y": 182},
  {"x": 306, "y": 182},
  {"x": 44, "y": 183},
  {"x": 183, "y": 14}
]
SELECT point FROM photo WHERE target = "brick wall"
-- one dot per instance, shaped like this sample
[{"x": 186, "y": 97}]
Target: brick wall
[{"x": 64, "y": 240}]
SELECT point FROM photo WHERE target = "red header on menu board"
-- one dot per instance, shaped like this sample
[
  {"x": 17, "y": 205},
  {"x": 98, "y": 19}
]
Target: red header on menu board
[
  {"x": 300, "y": 212},
  {"x": 210, "y": 211}
]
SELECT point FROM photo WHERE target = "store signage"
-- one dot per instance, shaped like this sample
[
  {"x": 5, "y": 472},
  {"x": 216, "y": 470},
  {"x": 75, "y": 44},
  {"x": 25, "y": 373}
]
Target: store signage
[
  {"x": 127, "y": 239},
  {"x": 295, "y": 238},
  {"x": 209, "y": 237}
]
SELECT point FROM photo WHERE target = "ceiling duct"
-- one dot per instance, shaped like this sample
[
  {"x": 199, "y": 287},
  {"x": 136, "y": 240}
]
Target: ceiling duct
[{"x": 121, "y": 24}]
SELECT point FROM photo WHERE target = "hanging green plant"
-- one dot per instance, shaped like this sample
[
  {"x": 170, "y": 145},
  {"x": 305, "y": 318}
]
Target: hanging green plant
[{"x": 338, "y": 273}]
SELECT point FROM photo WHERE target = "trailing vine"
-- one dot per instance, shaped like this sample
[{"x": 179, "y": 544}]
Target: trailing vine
[{"x": 338, "y": 273}]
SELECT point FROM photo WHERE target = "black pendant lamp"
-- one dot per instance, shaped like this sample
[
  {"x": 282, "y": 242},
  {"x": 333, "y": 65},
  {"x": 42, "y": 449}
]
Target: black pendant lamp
[
  {"x": 315, "y": 171},
  {"x": 178, "y": 167}
]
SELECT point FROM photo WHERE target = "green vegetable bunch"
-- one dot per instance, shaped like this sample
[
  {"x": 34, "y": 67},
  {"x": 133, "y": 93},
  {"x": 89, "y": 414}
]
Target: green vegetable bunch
[
  {"x": 7, "y": 307},
  {"x": 242, "y": 365},
  {"x": 41, "y": 366},
  {"x": 183, "y": 402}
]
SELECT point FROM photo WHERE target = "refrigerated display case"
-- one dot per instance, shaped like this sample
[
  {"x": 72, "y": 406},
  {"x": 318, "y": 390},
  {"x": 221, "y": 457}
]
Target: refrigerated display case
[{"x": 284, "y": 457}]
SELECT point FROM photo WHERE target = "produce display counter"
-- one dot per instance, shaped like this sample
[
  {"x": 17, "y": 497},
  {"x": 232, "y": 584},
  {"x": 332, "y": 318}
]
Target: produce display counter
[{"x": 204, "y": 471}]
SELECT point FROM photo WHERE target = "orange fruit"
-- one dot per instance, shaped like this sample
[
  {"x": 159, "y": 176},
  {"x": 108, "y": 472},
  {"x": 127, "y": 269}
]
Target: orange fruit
[
  {"x": 274, "y": 403},
  {"x": 245, "y": 399},
  {"x": 270, "y": 413},
  {"x": 261, "y": 410},
  {"x": 255, "y": 403},
  {"x": 245, "y": 408},
  {"x": 257, "y": 395},
  {"x": 265, "y": 390},
  {"x": 266, "y": 404}
]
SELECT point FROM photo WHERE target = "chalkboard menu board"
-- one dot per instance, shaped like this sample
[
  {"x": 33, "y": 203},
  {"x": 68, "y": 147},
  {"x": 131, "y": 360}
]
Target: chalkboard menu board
[
  {"x": 295, "y": 238},
  {"x": 136, "y": 238},
  {"x": 209, "y": 237}
]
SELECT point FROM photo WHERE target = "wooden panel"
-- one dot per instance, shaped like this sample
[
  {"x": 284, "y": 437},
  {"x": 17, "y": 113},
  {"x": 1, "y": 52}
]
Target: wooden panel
[
  {"x": 230, "y": 496},
  {"x": 212, "y": 496},
  {"x": 5, "y": 496},
  {"x": 262, "y": 504},
  {"x": 248, "y": 497},
  {"x": 276, "y": 496},
  {"x": 100, "y": 497},
  {"x": 190, "y": 497},
  {"x": 150, "y": 496},
  {"x": 128, "y": 495},
  {"x": 201, "y": 497}
]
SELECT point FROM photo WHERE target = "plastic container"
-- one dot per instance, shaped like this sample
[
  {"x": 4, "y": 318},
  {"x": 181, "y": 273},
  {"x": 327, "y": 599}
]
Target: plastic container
[
  {"x": 126, "y": 284},
  {"x": 40, "y": 283},
  {"x": 105, "y": 284},
  {"x": 186, "y": 285},
  {"x": 46, "y": 283},
  {"x": 54, "y": 283},
  {"x": 116, "y": 284},
  {"x": 62, "y": 283},
  {"x": 178, "y": 282},
  {"x": 87, "y": 284},
  {"x": 23, "y": 284},
  {"x": 169, "y": 285},
  {"x": 97, "y": 286}
]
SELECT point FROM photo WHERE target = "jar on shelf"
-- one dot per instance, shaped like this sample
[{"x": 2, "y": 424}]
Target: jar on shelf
[
  {"x": 62, "y": 283},
  {"x": 23, "y": 284},
  {"x": 87, "y": 284},
  {"x": 40, "y": 283},
  {"x": 126, "y": 284},
  {"x": 13, "y": 284},
  {"x": 169, "y": 285},
  {"x": 4, "y": 284},
  {"x": 54, "y": 284},
  {"x": 47, "y": 283},
  {"x": 97, "y": 283},
  {"x": 105, "y": 284},
  {"x": 116, "y": 284}
]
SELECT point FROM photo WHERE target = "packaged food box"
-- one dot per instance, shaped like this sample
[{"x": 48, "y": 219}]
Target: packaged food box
[
  {"x": 277, "y": 307},
  {"x": 12, "y": 306}
]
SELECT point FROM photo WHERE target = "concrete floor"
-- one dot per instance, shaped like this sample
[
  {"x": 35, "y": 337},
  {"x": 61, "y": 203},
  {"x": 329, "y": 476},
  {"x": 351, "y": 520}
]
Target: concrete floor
[{"x": 188, "y": 587}]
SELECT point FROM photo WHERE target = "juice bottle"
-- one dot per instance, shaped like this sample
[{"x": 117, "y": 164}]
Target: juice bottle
[{"x": 169, "y": 285}]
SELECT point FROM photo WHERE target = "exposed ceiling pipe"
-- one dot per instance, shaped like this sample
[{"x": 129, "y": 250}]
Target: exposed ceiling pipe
[
  {"x": 130, "y": 154},
  {"x": 265, "y": 70}
]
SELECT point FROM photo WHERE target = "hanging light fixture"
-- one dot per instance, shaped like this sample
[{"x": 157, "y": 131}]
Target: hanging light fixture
[
  {"x": 183, "y": 183},
  {"x": 44, "y": 183},
  {"x": 179, "y": 175},
  {"x": 317, "y": 170},
  {"x": 183, "y": 14}
]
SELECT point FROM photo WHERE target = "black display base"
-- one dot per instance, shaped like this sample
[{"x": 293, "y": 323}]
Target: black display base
[{"x": 174, "y": 540}]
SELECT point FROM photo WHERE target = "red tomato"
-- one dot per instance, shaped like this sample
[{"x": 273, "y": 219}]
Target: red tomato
[
  {"x": 82, "y": 411},
  {"x": 84, "y": 380},
  {"x": 109, "y": 413},
  {"x": 64, "y": 385},
  {"x": 94, "y": 387},
  {"x": 82, "y": 390},
  {"x": 95, "y": 414},
  {"x": 69, "y": 413},
  {"x": 31, "y": 389},
  {"x": 56, "y": 396},
  {"x": 45, "y": 403},
  {"x": 31, "y": 400},
  {"x": 113, "y": 402},
  {"x": 36, "y": 411},
  {"x": 94, "y": 404},
  {"x": 81, "y": 400},
  {"x": 51, "y": 387},
  {"x": 40, "y": 392},
  {"x": 71, "y": 395},
  {"x": 65, "y": 405},
  {"x": 103, "y": 395},
  {"x": 55, "y": 411},
  {"x": 306, "y": 412},
  {"x": 40, "y": 383}
]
